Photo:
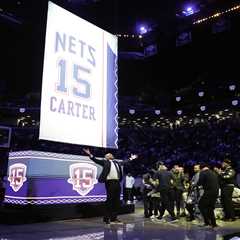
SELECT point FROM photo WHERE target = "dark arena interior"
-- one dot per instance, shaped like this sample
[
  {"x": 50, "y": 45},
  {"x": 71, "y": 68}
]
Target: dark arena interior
[{"x": 178, "y": 124}]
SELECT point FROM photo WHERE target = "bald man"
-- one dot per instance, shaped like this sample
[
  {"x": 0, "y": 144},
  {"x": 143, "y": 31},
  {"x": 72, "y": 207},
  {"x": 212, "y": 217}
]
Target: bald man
[{"x": 111, "y": 175}]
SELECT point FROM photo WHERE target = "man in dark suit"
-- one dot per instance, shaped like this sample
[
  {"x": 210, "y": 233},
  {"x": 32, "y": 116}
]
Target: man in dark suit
[
  {"x": 112, "y": 176},
  {"x": 209, "y": 181},
  {"x": 227, "y": 183},
  {"x": 165, "y": 187}
]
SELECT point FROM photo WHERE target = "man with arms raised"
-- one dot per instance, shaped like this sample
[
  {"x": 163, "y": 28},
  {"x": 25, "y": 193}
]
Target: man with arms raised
[{"x": 112, "y": 176}]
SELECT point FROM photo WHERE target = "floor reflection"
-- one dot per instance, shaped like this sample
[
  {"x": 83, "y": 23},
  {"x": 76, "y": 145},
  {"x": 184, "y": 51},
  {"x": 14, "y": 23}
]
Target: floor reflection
[{"x": 135, "y": 228}]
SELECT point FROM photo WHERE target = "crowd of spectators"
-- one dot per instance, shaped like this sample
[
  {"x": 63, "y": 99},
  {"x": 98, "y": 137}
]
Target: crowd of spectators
[
  {"x": 197, "y": 143},
  {"x": 205, "y": 142}
]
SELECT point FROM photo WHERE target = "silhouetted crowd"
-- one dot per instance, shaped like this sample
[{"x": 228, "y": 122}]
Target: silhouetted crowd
[
  {"x": 208, "y": 142},
  {"x": 173, "y": 190}
]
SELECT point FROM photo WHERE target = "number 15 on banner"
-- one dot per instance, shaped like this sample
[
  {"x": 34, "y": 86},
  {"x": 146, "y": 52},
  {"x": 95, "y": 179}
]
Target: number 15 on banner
[{"x": 80, "y": 87}]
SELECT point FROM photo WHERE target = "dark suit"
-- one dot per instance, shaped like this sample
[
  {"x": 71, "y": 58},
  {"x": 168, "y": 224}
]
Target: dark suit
[
  {"x": 113, "y": 188},
  {"x": 106, "y": 164},
  {"x": 166, "y": 192},
  {"x": 227, "y": 180},
  {"x": 209, "y": 181}
]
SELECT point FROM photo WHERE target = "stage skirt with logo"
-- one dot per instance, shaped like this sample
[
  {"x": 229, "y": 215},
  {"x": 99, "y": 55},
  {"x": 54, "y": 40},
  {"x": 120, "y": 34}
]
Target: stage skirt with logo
[{"x": 41, "y": 178}]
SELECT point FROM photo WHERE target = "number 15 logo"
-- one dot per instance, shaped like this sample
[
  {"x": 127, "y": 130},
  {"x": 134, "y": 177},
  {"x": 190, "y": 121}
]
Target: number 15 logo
[{"x": 17, "y": 176}]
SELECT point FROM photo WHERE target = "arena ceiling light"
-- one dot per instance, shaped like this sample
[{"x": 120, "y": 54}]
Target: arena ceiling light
[
  {"x": 201, "y": 94},
  {"x": 203, "y": 108},
  {"x": 132, "y": 111},
  {"x": 179, "y": 112},
  {"x": 157, "y": 112},
  {"x": 178, "y": 99},
  {"x": 143, "y": 29},
  {"x": 190, "y": 10},
  {"x": 234, "y": 102},
  {"x": 22, "y": 110},
  {"x": 232, "y": 87}
]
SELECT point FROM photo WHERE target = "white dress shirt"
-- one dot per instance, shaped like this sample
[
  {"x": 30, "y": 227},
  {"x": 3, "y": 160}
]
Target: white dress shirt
[{"x": 113, "y": 174}]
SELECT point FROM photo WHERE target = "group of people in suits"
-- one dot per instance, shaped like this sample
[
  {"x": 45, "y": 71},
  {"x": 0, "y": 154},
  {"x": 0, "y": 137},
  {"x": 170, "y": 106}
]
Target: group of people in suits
[
  {"x": 215, "y": 183},
  {"x": 203, "y": 190},
  {"x": 209, "y": 180}
]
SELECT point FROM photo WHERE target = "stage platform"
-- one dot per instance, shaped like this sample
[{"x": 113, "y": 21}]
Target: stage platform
[
  {"x": 17, "y": 214},
  {"x": 45, "y": 186},
  {"x": 135, "y": 227}
]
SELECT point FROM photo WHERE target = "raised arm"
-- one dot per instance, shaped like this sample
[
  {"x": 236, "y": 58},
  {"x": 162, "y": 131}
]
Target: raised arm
[
  {"x": 92, "y": 157},
  {"x": 132, "y": 157}
]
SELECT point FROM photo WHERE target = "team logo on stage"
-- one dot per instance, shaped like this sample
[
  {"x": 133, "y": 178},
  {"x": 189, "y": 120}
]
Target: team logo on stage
[
  {"x": 83, "y": 176},
  {"x": 17, "y": 176}
]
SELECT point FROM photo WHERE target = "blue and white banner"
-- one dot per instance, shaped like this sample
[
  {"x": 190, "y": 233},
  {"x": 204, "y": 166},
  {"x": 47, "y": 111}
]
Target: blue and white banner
[{"x": 79, "y": 85}]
